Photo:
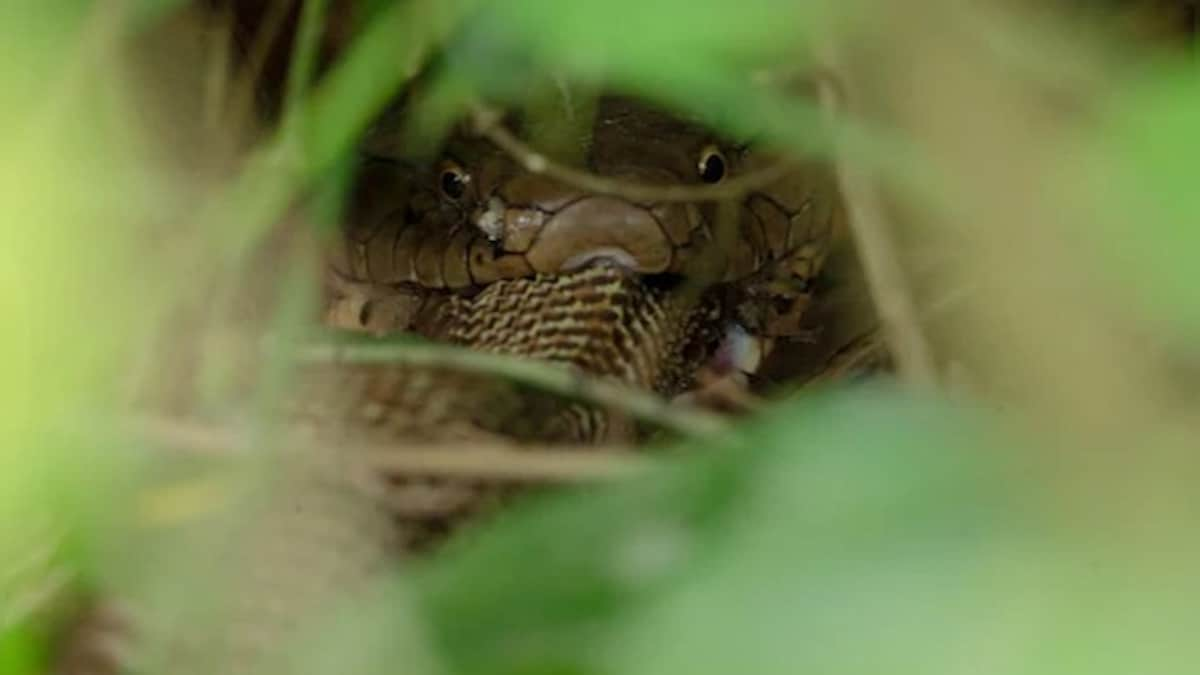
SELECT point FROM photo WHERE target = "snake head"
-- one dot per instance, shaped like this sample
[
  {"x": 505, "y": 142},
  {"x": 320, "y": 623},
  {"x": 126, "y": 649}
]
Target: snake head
[
  {"x": 480, "y": 216},
  {"x": 559, "y": 228}
]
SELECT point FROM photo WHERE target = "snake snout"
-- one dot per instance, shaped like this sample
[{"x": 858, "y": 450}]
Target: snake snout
[
  {"x": 557, "y": 228},
  {"x": 587, "y": 229},
  {"x": 600, "y": 227}
]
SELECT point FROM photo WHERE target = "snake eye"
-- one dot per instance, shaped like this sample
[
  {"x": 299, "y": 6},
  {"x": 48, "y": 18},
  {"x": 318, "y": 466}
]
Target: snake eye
[
  {"x": 453, "y": 181},
  {"x": 711, "y": 166}
]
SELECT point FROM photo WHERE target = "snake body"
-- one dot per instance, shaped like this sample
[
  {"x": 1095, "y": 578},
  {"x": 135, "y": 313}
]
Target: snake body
[
  {"x": 515, "y": 264},
  {"x": 601, "y": 320}
]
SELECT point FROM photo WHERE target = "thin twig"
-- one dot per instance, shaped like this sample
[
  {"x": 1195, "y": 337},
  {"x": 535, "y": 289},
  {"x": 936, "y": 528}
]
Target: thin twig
[
  {"x": 28, "y": 602},
  {"x": 248, "y": 82},
  {"x": 500, "y": 461},
  {"x": 304, "y": 57},
  {"x": 712, "y": 263},
  {"x": 218, "y": 45},
  {"x": 488, "y": 124},
  {"x": 860, "y": 352},
  {"x": 549, "y": 377},
  {"x": 341, "y": 106},
  {"x": 885, "y": 278},
  {"x": 949, "y": 300},
  {"x": 35, "y": 579}
]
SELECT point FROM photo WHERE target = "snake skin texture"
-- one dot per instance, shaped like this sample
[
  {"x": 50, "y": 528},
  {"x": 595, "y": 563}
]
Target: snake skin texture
[{"x": 602, "y": 320}]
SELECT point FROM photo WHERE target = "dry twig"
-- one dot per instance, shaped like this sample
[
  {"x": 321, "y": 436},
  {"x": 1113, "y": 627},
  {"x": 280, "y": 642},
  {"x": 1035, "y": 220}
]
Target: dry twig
[
  {"x": 861, "y": 352},
  {"x": 488, "y": 124},
  {"x": 472, "y": 460},
  {"x": 886, "y": 280},
  {"x": 249, "y": 79}
]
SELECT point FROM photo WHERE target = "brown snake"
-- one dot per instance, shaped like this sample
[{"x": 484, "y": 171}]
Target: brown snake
[
  {"x": 476, "y": 251},
  {"x": 477, "y": 217}
]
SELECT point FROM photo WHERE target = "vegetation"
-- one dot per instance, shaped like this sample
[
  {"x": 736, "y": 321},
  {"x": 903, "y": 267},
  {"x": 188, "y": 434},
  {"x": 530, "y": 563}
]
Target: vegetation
[{"x": 1022, "y": 191}]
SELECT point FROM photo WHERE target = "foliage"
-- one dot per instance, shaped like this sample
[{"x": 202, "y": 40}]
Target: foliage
[{"x": 861, "y": 530}]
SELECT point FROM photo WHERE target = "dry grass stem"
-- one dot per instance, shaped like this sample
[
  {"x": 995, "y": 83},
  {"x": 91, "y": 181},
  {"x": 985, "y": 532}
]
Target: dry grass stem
[
  {"x": 488, "y": 124},
  {"x": 493, "y": 461},
  {"x": 886, "y": 280},
  {"x": 554, "y": 378}
]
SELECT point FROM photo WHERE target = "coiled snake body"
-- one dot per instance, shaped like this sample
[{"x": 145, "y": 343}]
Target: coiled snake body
[{"x": 477, "y": 251}]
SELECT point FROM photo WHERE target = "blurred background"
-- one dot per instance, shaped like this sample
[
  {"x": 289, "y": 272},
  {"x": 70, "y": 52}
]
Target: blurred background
[{"x": 1013, "y": 496}]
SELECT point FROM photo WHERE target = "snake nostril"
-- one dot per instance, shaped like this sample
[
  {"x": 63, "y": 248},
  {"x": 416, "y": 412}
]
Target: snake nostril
[{"x": 609, "y": 254}]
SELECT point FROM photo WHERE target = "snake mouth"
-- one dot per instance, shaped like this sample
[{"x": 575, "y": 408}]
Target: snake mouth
[
  {"x": 610, "y": 255},
  {"x": 581, "y": 229}
]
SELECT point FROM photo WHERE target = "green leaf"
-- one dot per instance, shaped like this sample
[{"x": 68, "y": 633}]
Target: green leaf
[
  {"x": 862, "y": 553},
  {"x": 19, "y": 652},
  {"x": 859, "y": 533},
  {"x": 778, "y": 512},
  {"x": 702, "y": 59},
  {"x": 1143, "y": 190}
]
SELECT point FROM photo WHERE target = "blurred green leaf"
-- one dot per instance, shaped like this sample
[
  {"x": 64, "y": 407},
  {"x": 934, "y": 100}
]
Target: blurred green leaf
[
  {"x": 536, "y": 592},
  {"x": 304, "y": 52},
  {"x": 379, "y": 634},
  {"x": 851, "y": 534},
  {"x": 1142, "y": 182},
  {"x": 703, "y": 59},
  {"x": 391, "y": 50},
  {"x": 798, "y": 509},
  {"x": 594, "y": 38},
  {"x": 72, "y": 190},
  {"x": 35, "y": 39},
  {"x": 148, "y": 11},
  {"x": 19, "y": 652},
  {"x": 867, "y": 551}
]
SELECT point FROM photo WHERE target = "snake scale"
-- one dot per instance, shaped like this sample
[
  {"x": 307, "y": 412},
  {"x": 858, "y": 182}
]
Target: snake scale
[{"x": 476, "y": 251}]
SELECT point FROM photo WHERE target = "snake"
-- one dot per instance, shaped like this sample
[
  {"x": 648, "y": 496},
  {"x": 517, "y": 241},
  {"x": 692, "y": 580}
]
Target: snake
[
  {"x": 475, "y": 249},
  {"x": 478, "y": 215}
]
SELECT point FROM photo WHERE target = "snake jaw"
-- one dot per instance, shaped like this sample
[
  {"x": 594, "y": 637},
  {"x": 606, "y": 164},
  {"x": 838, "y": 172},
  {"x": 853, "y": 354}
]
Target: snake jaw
[{"x": 605, "y": 254}]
